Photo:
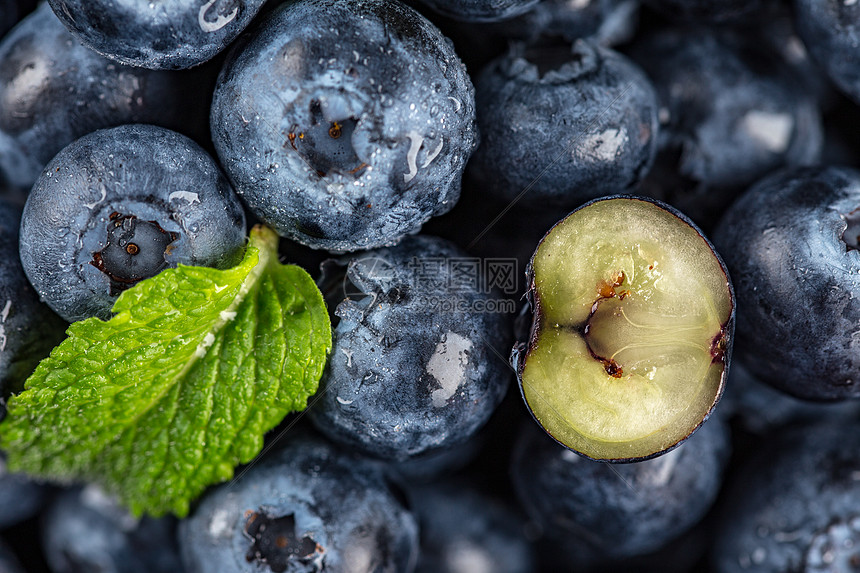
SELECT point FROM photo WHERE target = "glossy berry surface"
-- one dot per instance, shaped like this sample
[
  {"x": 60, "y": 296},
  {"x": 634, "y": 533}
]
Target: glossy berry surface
[
  {"x": 307, "y": 507},
  {"x": 120, "y": 205},
  {"x": 831, "y": 31},
  {"x": 53, "y": 90},
  {"x": 794, "y": 505},
  {"x": 790, "y": 243},
  {"x": 413, "y": 367},
  {"x": 86, "y": 530},
  {"x": 732, "y": 110},
  {"x": 344, "y": 124},
  {"x": 566, "y": 122},
  {"x": 618, "y": 511},
  {"x": 163, "y": 35}
]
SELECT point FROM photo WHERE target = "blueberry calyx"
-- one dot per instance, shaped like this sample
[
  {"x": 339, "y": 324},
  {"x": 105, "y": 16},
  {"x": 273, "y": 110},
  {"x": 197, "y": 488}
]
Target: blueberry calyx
[
  {"x": 275, "y": 542},
  {"x": 851, "y": 234},
  {"x": 326, "y": 145},
  {"x": 835, "y": 548},
  {"x": 134, "y": 250}
]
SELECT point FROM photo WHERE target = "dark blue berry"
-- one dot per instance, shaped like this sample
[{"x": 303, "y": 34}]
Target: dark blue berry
[
  {"x": 345, "y": 124},
  {"x": 481, "y": 10},
  {"x": 791, "y": 245},
  {"x": 86, "y": 530},
  {"x": 307, "y": 507},
  {"x": 609, "y": 511},
  {"x": 157, "y": 35},
  {"x": 120, "y": 205},
  {"x": 416, "y": 362},
  {"x": 563, "y": 124},
  {"x": 53, "y": 90}
]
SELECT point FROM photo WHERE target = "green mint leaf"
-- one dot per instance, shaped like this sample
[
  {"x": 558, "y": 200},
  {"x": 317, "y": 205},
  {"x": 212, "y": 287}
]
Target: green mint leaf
[{"x": 179, "y": 386}]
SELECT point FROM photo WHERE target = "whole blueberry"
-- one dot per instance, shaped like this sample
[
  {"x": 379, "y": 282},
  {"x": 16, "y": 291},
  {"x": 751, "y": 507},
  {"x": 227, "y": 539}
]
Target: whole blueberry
[
  {"x": 119, "y": 205},
  {"x": 609, "y": 511},
  {"x": 831, "y": 32},
  {"x": 20, "y": 497},
  {"x": 85, "y": 530},
  {"x": 711, "y": 11},
  {"x": 791, "y": 245},
  {"x": 464, "y": 531},
  {"x": 28, "y": 328},
  {"x": 794, "y": 505},
  {"x": 416, "y": 362},
  {"x": 563, "y": 123},
  {"x": 345, "y": 124},
  {"x": 172, "y": 35},
  {"x": 306, "y": 507},
  {"x": 481, "y": 10},
  {"x": 732, "y": 110},
  {"x": 54, "y": 90}
]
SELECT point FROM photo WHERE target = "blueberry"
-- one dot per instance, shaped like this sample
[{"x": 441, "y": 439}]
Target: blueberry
[
  {"x": 481, "y": 10},
  {"x": 615, "y": 511},
  {"x": 305, "y": 507},
  {"x": 794, "y": 505},
  {"x": 28, "y": 328},
  {"x": 8, "y": 562},
  {"x": 607, "y": 22},
  {"x": 120, "y": 205},
  {"x": 711, "y": 11},
  {"x": 831, "y": 31},
  {"x": 166, "y": 35},
  {"x": 564, "y": 124},
  {"x": 732, "y": 110},
  {"x": 760, "y": 409},
  {"x": 464, "y": 531},
  {"x": 85, "y": 530},
  {"x": 20, "y": 497},
  {"x": 345, "y": 124},
  {"x": 54, "y": 90},
  {"x": 791, "y": 245},
  {"x": 415, "y": 364}
]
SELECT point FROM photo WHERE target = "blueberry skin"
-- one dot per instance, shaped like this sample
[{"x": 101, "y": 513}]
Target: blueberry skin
[
  {"x": 481, "y": 10},
  {"x": 607, "y": 22},
  {"x": 414, "y": 365},
  {"x": 85, "y": 530},
  {"x": 708, "y": 11},
  {"x": 760, "y": 409},
  {"x": 8, "y": 562},
  {"x": 831, "y": 32},
  {"x": 567, "y": 123},
  {"x": 53, "y": 90},
  {"x": 604, "y": 511},
  {"x": 28, "y": 328},
  {"x": 790, "y": 244},
  {"x": 464, "y": 530},
  {"x": 794, "y": 505},
  {"x": 20, "y": 497},
  {"x": 119, "y": 205},
  {"x": 345, "y": 124},
  {"x": 171, "y": 35},
  {"x": 732, "y": 110},
  {"x": 334, "y": 508}
]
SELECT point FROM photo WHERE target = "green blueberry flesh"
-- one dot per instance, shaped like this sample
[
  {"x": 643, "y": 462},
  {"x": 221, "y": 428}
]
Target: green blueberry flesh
[{"x": 632, "y": 329}]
